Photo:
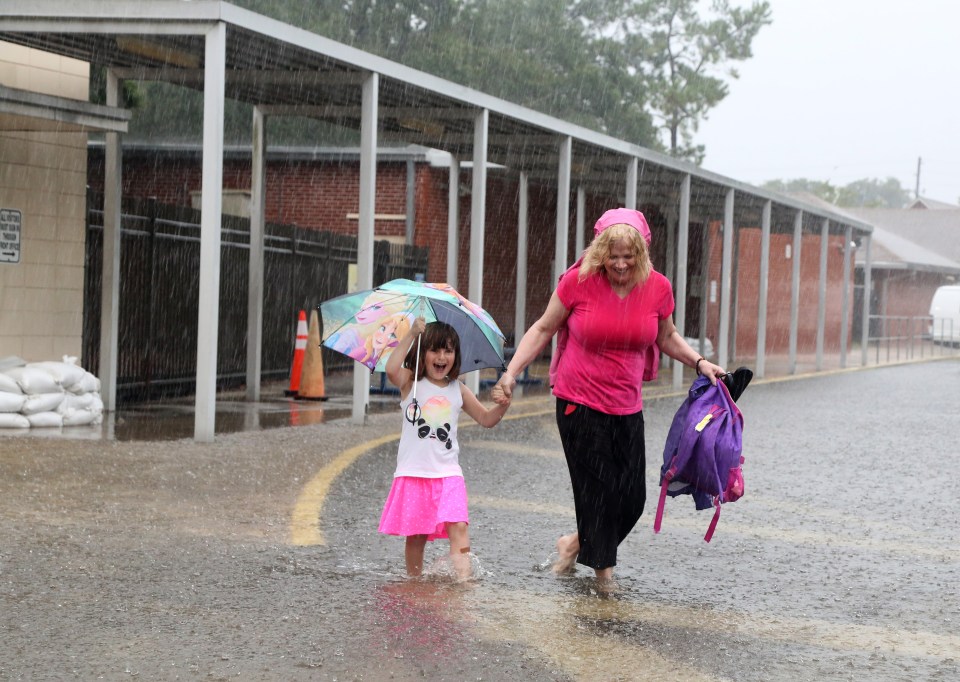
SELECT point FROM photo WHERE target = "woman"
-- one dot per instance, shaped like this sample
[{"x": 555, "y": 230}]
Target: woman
[{"x": 616, "y": 312}]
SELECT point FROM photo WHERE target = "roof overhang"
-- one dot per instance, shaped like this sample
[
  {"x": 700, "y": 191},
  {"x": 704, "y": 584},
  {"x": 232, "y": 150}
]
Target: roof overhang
[
  {"x": 24, "y": 111},
  {"x": 287, "y": 71}
]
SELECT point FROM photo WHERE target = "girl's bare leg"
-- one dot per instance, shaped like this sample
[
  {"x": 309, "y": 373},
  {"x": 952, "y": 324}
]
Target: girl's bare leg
[
  {"x": 460, "y": 549},
  {"x": 413, "y": 553},
  {"x": 568, "y": 546}
]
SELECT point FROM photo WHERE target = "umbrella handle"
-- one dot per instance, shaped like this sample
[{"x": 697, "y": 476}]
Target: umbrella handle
[
  {"x": 413, "y": 409},
  {"x": 416, "y": 367}
]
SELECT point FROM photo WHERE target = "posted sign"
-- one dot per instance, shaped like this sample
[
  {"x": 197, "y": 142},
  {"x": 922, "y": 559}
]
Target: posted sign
[{"x": 9, "y": 235}]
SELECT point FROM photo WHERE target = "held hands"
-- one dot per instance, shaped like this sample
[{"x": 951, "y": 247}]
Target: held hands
[{"x": 502, "y": 392}]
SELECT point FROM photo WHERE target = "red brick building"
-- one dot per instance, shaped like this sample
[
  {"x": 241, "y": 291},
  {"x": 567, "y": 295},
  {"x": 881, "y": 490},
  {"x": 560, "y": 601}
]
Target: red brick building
[{"x": 320, "y": 189}]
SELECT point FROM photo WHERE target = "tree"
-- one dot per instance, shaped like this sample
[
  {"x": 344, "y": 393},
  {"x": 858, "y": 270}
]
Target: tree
[
  {"x": 683, "y": 58},
  {"x": 621, "y": 67},
  {"x": 866, "y": 193},
  {"x": 818, "y": 188},
  {"x": 873, "y": 193},
  {"x": 537, "y": 53}
]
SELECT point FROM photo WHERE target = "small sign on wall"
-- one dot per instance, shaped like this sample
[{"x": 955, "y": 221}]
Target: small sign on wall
[{"x": 10, "y": 235}]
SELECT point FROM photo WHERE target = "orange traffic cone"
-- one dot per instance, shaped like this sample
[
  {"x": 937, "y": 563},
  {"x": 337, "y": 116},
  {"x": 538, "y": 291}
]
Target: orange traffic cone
[
  {"x": 311, "y": 380},
  {"x": 298, "y": 349}
]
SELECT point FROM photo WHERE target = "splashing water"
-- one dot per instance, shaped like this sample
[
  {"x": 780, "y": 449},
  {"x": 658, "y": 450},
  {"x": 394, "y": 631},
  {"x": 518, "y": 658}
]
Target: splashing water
[{"x": 445, "y": 568}]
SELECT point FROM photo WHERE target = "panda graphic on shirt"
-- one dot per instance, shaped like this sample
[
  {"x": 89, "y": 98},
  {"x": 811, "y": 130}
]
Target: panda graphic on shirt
[{"x": 436, "y": 415}]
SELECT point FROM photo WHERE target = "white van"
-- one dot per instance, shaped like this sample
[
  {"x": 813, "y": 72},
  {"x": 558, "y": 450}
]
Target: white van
[{"x": 945, "y": 311}]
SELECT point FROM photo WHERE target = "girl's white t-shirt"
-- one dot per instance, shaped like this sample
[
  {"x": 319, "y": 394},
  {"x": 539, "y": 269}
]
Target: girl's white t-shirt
[{"x": 429, "y": 448}]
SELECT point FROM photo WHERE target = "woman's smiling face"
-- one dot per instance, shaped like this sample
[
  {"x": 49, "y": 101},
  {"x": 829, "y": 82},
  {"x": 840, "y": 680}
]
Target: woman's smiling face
[{"x": 621, "y": 264}]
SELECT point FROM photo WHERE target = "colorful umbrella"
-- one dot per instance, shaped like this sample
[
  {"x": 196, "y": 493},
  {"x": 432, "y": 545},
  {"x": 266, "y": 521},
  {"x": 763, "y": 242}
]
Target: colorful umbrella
[{"x": 367, "y": 325}]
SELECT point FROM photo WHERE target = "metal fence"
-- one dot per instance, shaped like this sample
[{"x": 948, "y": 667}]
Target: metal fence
[
  {"x": 903, "y": 337},
  {"x": 159, "y": 293}
]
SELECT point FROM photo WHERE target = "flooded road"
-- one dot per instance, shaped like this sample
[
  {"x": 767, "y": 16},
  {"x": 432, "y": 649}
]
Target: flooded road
[{"x": 257, "y": 556}]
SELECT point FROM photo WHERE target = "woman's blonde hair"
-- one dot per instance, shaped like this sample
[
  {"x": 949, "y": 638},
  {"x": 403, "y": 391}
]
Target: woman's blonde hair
[{"x": 598, "y": 252}]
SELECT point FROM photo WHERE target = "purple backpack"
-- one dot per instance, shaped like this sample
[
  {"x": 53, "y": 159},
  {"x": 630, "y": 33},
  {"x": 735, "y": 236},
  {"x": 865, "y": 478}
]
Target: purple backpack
[{"x": 702, "y": 456}]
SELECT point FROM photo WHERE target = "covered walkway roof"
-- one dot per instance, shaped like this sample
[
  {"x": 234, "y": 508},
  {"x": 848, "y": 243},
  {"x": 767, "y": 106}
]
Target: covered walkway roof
[
  {"x": 288, "y": 71},
  {"x": 281, "y": 70}
]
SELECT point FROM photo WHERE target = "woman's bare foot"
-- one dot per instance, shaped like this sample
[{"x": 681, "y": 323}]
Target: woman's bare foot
[{"x": 568, "y": 546}]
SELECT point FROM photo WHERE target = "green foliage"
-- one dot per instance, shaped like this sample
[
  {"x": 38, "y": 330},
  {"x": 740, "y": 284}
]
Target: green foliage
[
  {"x": 683, "y": 57},
  {"x": 131, "y": 96},
  {"x": 621, "y": 67},
  {"x": 866, "y": 193}
]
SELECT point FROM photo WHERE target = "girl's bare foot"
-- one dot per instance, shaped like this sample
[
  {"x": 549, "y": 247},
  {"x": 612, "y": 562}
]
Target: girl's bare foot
[{"x": 568, "y": 546}]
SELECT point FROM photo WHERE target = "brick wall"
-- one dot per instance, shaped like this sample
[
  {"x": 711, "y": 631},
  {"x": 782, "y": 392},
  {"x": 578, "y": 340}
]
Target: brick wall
[
  {"x": 321, "y": 194},
  {"x": 779, "y": 291}
]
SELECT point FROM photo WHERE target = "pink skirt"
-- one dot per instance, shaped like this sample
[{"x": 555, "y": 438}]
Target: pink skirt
[{"x": 424, "y": 506}]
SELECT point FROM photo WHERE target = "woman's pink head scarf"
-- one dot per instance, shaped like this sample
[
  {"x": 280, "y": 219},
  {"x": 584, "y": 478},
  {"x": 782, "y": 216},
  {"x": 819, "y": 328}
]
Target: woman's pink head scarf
[{"x": 624, "y": 216}]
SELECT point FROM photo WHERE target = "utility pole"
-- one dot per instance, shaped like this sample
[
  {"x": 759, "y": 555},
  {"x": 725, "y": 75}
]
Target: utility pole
[{"x": 916, "y": 192}]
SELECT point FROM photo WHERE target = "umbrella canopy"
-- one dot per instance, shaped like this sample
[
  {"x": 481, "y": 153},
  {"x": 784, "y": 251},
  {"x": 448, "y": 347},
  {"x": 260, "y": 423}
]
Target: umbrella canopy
[{"x": 367, "y": 325}]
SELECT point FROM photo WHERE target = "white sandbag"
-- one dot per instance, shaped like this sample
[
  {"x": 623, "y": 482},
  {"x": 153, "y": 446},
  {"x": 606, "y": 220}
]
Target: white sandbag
[
  {"x": 33, "y": 380},
  {"x": 76, "y": 402},
  {"x": 44, "y": 419},
  {"x": 9, "y": 361},
  {"x": 11, "y": 420},
  {"x": 8, "y": 384},
  {"x": 11, "y": 402},
  {"x": 97, "y": 404},
  {"x": 63, "y": 373},
  {"x": 80, "y": 417},
  {"x": 88, "y": 384},
  {"x": 41, "y": 402}
]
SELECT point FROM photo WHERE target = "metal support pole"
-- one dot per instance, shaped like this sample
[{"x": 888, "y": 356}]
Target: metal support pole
[
  {"x": 723, "y": 348},
  {"x": 563, "y": 208},
  {"x": 370, "y": 98},
  {"x": 520, "y": 320},
  {"x": 760, "y": 370},
  {"x": 110, "y": 282},
  {"x": 822, "y": 293},
  {"x": 579, "y": 238},
  {"x": 478, "y": 208},
  {"x": 211, "y": 217},
  {"x": 795, "y": 292},
  {"x": 630, "y": 191},
  {"x": 258, "y": 216},
  {"x": 680, "y": 285},
  {"x": 867, "y": 286},
  {"x": 453, "y": 222},
  {"x": 845, "y": 295}
]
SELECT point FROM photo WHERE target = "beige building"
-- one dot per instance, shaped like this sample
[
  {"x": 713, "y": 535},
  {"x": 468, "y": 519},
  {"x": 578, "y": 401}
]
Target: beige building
[{"x": 44, "y": 121}]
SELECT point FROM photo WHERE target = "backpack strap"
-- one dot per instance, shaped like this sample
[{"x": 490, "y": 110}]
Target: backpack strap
[
  {"x": 713, "y": 522},
  {"x": 663, "y": 499}
]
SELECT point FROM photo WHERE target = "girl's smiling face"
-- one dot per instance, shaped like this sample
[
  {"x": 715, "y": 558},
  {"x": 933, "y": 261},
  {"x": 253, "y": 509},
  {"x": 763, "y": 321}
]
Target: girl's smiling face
[{"x": 439, "y": 362}]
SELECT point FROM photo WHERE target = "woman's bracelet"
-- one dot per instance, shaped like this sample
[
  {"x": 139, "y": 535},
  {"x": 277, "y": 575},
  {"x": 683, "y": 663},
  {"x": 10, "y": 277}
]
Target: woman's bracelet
[{"x": 697, "y": 366}]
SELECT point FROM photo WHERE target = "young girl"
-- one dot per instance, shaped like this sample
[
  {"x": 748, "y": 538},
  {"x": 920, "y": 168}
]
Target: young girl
[{"x": 428, "y": 499}]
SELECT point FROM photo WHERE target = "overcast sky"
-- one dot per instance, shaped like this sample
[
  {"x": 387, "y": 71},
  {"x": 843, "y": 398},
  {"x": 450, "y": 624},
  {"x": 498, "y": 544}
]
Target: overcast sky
[{"x": 841, "y": 90}]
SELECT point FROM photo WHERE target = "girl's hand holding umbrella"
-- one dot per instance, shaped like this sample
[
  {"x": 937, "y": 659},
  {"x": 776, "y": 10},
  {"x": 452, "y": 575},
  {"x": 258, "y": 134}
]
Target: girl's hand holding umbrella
[
  {"x": 419, "y": 325},
  {"x": 403, "y": 377}
]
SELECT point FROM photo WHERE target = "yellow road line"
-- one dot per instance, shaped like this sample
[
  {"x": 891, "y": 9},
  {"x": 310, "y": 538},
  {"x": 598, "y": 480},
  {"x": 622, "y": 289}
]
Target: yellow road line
[{"x": 305, "y": 519}]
